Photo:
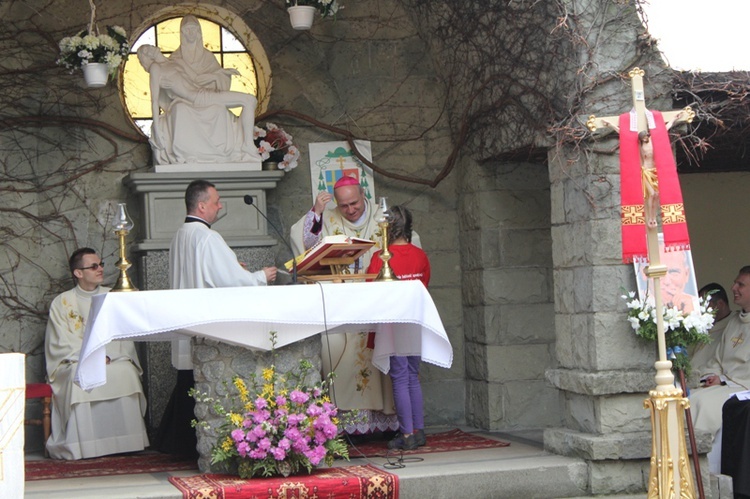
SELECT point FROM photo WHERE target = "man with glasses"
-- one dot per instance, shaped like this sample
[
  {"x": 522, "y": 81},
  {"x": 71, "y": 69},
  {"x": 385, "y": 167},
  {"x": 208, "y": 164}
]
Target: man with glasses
[{"x": 109, "y": 419}]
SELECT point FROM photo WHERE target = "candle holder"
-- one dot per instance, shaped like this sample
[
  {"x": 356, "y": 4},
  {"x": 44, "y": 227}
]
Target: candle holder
[
  {"x": 122, "y": 226},
  {"x": 386, "y": 272}
]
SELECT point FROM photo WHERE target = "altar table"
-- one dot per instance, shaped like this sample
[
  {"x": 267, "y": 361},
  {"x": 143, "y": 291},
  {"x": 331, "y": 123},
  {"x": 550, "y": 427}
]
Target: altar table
[{"x": 401, "y": 313}]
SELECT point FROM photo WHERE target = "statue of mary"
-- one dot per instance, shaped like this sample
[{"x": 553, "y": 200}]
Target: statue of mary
[{"x": 192, "y": 124}]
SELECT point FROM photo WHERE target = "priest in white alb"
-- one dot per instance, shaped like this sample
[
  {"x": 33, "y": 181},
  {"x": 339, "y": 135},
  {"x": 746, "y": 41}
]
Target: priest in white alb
[
  {"x": 198, "y": 258},
  {"x": 108, "y": 419},
  {"x": 729, "y": 370}
]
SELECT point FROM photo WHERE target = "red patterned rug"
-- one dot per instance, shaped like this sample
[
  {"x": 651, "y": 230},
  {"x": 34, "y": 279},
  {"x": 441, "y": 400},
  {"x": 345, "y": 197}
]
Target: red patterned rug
[
  {"x": 350, "y": 482},
  {"x": 142, "y": 462},
  {"x": 449, "y": 441}
]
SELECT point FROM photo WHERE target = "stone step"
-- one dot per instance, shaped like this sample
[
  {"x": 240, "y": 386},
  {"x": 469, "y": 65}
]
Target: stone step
[{"x": 522, "y": 470}]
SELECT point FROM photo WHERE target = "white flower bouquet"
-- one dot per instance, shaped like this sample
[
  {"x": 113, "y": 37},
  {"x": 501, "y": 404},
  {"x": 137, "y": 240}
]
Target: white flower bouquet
[{"x": 681, "y": 330}]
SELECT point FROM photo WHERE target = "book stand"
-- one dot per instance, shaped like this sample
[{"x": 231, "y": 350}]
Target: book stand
[{"x": 333, "y": 261}]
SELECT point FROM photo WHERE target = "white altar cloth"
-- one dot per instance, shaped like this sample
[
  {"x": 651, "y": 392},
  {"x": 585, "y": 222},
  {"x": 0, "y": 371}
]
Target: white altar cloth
[
  {"x": 12, "y": 405},
  {"x": 401, "y": 313}
]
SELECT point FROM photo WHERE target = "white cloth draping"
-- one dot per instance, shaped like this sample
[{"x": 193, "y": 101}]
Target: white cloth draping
[
  {"x": 200, "y": 258},
  {"x": 12, "y": 400},
  {"x": 401, "y": 313}
]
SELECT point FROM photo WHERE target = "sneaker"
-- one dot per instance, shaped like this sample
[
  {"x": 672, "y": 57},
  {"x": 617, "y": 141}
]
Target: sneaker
[
  {"x": 403, "y": 442},
  {"x": 420, "y": 437}
]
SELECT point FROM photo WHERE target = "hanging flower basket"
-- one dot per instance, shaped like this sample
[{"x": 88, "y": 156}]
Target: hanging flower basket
[
  {"x": 302, "y": 12},
  {"x": 95, "y": 74},
  {"x": 90, "y": 51},
  {"x": 301, "y": 16}
]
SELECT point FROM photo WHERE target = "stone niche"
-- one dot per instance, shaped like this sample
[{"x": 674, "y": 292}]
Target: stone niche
[{"x": 160, "y": 212}]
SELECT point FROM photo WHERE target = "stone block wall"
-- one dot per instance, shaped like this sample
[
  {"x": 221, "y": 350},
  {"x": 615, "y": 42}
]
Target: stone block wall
[{"x": 507, "y": 294}]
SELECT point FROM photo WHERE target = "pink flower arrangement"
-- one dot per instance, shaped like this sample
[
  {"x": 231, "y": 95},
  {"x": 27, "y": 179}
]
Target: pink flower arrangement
[
  {"x": 274, "y": 144},
  {"x": 276, "y": 425}
]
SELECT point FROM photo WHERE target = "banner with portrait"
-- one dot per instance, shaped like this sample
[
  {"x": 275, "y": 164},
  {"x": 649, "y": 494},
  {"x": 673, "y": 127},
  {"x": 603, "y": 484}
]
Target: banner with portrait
[{"x": 678, "y": 287}]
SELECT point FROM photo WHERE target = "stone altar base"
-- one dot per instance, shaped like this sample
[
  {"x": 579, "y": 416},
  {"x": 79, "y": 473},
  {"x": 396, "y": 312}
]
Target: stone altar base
[{"x": 215, "y": 362}]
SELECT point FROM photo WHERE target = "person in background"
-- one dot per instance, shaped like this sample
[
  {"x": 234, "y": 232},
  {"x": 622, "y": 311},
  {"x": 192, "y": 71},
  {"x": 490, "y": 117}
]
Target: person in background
[
  {"x": 108, "y": 419},
  {"x": 408, "y": 262},
  {"x": 727, "y": 372},
  {"x": 719, "y": 302}
]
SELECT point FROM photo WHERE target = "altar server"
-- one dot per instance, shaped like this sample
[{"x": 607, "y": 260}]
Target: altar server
[
  {"x": 408, "y": 262},
  {"x": 108, "y": 419}
]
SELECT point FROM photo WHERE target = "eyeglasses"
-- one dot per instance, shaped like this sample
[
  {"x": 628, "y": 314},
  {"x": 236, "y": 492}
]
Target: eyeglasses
[{"x": 93, "y": 266}]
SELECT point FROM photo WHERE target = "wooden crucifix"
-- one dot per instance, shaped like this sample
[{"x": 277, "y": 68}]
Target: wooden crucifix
[
  {"x": 644, "y": 152},
  {"x": 642, "y": 122}
]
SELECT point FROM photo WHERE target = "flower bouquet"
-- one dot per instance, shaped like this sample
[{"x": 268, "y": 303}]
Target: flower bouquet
[
  {"x": 86, "y": 48},
  {"x": 275, "y": 145},
  {"x": 275, "y": 425},
  {"x": 681, "y": 330}
]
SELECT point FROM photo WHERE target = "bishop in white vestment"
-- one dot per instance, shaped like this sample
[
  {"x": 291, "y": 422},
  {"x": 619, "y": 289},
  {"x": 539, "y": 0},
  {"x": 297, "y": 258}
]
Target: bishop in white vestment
[{"x": 358, "y": 384}]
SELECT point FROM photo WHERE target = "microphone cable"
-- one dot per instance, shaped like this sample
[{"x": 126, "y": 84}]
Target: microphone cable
[{"x": 394, "y": 457}]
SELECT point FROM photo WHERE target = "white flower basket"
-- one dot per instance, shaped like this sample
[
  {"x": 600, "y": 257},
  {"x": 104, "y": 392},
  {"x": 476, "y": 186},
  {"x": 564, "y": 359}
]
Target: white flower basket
[
  {"x": 95, "y": 74},
  {"x": 301, "y": 16}
]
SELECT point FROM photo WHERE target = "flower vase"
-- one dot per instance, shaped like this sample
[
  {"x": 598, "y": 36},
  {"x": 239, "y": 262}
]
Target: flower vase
[
  {"x": 270, "y": 165},
  {"x": 301, "y": 16},
  {"x": 95, "y": 74}
]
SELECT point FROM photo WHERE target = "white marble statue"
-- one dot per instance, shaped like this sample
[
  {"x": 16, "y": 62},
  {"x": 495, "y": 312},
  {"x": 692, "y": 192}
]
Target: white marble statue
[{"x": 190, "y": 100}]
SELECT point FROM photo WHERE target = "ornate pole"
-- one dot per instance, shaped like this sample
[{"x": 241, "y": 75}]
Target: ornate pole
[
  {"x": 670, "y": 475},
  {"x": 122, "y": 226}
]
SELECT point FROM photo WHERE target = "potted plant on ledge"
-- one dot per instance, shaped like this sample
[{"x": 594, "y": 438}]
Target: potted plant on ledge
[{"x": 302, "y": 12}]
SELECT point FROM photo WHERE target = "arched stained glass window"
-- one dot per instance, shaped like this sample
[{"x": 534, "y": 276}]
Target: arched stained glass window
[{"x": 228, "y": 49}]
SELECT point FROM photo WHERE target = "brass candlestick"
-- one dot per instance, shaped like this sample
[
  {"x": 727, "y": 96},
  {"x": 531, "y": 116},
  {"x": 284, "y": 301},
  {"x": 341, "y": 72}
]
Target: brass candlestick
[
  {"x": 386, "y": 273},
  {"x": 122, "y": 226}
]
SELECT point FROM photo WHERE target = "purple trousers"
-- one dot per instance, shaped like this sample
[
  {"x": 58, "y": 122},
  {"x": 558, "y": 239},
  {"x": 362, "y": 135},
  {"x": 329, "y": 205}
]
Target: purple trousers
[{"x": 407, "y": 393}]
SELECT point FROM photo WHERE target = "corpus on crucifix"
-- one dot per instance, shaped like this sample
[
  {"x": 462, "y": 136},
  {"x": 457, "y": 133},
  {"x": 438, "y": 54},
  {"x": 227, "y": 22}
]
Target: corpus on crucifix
[{"x": 649, "y": 187}]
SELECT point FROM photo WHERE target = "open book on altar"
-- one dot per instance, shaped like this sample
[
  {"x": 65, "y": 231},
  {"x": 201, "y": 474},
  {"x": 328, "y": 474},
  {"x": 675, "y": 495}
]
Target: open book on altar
[{"x": 329, "y": 252}]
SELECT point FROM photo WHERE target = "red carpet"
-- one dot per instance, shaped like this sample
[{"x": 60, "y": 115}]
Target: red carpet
[
  {"x": 449, "y": 441},
  {"x": 145, "y": 462},
  {"x": 350, "y": 482}
]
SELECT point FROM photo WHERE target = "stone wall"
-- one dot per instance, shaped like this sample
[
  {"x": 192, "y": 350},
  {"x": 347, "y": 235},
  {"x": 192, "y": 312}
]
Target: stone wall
[{"x": 507, "y": 295}]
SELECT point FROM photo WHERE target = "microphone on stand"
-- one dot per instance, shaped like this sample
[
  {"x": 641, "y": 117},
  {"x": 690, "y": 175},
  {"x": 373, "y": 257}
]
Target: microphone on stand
[{"x": 249, "y": 201}]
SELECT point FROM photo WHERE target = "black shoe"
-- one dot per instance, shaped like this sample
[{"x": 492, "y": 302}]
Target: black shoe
[
  {"x": 403, "y": 442},
  {"x": 420, "y": 437}
]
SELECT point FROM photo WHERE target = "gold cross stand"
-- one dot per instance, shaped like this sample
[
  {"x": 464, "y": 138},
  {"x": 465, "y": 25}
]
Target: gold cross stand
[{"x": 670, "y": 474}]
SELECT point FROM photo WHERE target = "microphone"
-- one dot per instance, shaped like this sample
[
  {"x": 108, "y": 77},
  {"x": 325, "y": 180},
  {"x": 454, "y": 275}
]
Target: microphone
[{"x": 249, "y": 201}]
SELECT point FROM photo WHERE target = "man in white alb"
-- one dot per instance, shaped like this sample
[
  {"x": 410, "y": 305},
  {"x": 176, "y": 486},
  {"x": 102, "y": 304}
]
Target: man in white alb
[
  {"x": 728, "y": 371},
  {"x": 108, "y": 419},
  {"x": 198, "y": 258}
]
